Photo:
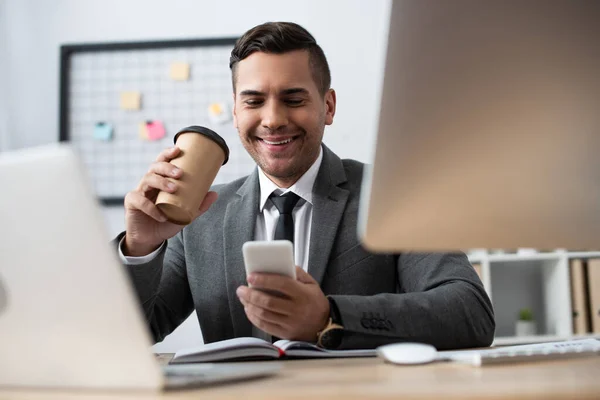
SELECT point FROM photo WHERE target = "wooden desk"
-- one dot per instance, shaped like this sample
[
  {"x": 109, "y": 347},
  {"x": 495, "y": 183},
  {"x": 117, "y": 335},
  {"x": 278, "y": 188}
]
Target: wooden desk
[{"x": 373, "y": 379}]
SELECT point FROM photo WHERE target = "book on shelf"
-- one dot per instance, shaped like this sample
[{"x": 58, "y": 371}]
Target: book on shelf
[
  {"x": 477, "y": 267},
  {"x": 250, "y": 349},
  {"x": 577, "y": 270},
  {"x": 593, "y": 275}
]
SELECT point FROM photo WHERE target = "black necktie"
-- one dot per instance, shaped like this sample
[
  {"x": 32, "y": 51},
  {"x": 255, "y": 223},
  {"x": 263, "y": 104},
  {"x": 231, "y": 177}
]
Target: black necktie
[{"x": 284, "y": 230}]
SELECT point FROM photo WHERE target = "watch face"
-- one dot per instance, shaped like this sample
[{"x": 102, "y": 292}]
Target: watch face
[{"x": 332, "y": 338}]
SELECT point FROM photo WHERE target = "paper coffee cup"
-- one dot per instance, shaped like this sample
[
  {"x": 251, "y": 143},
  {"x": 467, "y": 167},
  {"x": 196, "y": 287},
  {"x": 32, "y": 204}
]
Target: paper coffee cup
[{"x": 202, "y": 154}]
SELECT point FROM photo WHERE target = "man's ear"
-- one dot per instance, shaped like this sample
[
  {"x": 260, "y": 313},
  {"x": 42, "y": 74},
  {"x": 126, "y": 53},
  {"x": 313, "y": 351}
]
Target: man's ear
[
  {"x": 233, "y": 112},
  {"x": 330, "y": 102}
]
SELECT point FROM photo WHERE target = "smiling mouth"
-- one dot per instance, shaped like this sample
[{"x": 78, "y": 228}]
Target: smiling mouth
[{"x": 276, "y": 143}]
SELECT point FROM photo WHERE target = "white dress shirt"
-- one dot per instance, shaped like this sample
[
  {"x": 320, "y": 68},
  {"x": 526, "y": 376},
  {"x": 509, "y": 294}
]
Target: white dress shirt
[{"x": 264, "y": 228}]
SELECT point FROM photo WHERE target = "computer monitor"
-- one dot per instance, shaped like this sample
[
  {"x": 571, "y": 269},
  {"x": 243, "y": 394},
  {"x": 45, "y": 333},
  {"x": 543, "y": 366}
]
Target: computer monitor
[{"x": 489, "y": 128}]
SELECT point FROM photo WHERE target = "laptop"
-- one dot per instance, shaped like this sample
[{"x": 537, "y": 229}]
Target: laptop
[
  {"x": 69, "y": 317},
  {"x": 489, "y": 128}
]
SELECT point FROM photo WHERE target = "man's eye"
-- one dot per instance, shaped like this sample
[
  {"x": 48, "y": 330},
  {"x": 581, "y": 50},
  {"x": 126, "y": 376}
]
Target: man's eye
[
  {"x": 253, "y": 102},
  {"x": 295, "y": 102}
]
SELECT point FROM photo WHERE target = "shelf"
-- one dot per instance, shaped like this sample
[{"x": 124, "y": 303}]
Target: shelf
[
  {"x": 535, "y": 279},
  {"x": 540, "y": 285},
  {"x": 479, "y": 257},
  {"x": 584, "y": 254},
  {"x": 523, "y": 257},
  {"x": 476, "y": 259}
]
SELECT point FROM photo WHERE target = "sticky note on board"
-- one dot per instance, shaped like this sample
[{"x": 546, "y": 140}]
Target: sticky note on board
[
  {"x": 143, "y": 131},
  {"x": 219, "y": 113},
  {"x": 179, "y": 71},
  {"x": 131, "y": 100},
  {"x": 103, "y": 131},
  {"x": 156, "y": 130}
]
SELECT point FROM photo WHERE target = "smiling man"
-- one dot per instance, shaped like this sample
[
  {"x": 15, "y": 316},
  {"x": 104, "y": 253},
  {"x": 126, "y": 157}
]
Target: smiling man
[{"x": 344, "y": 296}]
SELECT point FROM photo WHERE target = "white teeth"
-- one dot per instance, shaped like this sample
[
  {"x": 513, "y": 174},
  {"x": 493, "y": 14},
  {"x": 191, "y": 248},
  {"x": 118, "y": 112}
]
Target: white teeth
[{"x": 282, "y": 142}]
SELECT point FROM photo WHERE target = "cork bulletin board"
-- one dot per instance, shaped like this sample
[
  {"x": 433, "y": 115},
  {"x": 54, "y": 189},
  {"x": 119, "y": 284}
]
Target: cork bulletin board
[{"x": 122, "y": 103}]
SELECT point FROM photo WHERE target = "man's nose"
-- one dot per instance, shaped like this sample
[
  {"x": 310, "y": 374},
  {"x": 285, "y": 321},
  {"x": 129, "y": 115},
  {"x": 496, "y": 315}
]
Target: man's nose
[{"x": 274, "y": 116}]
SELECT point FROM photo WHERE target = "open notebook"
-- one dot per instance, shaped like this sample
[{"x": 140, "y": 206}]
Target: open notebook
[{"x": 249, "y": 348}]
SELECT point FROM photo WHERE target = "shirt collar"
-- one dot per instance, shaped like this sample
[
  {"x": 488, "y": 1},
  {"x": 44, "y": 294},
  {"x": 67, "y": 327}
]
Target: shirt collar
[{"x": 303, "y": 187}]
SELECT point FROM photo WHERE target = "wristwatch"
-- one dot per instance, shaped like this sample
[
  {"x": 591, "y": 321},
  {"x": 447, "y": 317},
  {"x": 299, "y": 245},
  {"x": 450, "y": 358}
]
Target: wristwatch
[{"x": 331, "y": 336}]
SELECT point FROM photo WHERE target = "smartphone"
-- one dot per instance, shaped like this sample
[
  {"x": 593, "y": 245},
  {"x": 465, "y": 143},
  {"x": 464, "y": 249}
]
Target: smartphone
[{"x": 275, "y": 257}]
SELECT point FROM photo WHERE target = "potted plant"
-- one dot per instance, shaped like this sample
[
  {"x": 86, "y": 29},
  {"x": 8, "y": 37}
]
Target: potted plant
[{"x": 526, "y": 323}]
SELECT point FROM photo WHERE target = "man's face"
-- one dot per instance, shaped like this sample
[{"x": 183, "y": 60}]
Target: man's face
[{"x": 280, "y": 114}]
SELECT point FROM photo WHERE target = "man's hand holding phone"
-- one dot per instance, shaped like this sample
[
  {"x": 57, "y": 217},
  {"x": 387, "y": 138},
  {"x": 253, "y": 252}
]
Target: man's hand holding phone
[{"x": 281, "y": 299}]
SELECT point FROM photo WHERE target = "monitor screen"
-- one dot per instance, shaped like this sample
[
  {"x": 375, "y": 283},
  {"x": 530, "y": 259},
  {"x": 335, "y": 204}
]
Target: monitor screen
[{"x": 489, "y": 128}]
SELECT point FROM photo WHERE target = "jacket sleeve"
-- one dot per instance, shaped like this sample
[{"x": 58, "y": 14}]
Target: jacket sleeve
[
  {"x": 162, "y": 288},
  {"x": 440, "y": 301}
]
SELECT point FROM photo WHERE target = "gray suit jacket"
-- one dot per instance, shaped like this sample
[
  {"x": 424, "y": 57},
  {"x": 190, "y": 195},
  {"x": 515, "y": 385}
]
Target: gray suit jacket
[{"x": 431, "y": 298}]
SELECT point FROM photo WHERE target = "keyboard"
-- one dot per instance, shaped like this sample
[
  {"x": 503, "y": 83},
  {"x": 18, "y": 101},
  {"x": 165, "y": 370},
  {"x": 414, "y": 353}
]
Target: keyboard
[{"x": 525, "y": 353}]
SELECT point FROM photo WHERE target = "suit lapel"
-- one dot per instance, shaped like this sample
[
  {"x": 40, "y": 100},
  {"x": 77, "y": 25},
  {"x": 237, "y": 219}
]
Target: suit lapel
[
  {"x": 329, "y": 202},
  {"x": 240, "y": 219}
]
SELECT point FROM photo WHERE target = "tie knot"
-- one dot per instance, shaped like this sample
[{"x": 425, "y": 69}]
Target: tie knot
[{"x": 285, "y": 203}]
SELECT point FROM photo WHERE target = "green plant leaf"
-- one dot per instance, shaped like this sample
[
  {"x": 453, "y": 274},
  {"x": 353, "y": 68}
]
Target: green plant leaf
[{"x": 525, "y": 314}]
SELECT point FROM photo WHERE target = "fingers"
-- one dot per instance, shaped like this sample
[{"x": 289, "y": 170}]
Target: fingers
[
  {"x": 265, "y": 315},
  {"x": 268, "y": 321},
  {"x": 269, "y": 327},
  {"x": 162, "y": 176},
  {"x": 152, "y": 182},
  {"x": 274, "y": 282},
  {"x": 164, "y": 168},
  {"x": 264, "y": 300},
  {"x": 156, "y": 178},
  {"x": 137, "y": 201},
  {"x": 303, "y": 276},
  {"x": 168, "y": 154}
]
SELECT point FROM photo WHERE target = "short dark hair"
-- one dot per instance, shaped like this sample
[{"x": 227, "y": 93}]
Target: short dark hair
[{"x": 279, "y": 38}]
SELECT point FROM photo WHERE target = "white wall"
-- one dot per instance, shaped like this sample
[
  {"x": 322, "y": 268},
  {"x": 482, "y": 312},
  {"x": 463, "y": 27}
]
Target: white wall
[
  {"x": 351, "y": 32},
  {"x": 3, "y": 81}
]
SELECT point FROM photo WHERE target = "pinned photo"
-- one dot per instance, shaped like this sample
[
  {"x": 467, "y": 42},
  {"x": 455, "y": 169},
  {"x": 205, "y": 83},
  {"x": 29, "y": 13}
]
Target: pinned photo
[
  {"x": 130, "y": 100},
  {"x": 179, "y": 71},
  {"x": 103, "y": 131},
  {"x": 219, "y": 113},
  {"x": 151, "y": 130}
]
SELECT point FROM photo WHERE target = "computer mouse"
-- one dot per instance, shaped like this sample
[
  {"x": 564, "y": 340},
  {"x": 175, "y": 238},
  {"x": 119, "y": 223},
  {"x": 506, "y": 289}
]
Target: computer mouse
[{"x": 408, "y": 353}]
